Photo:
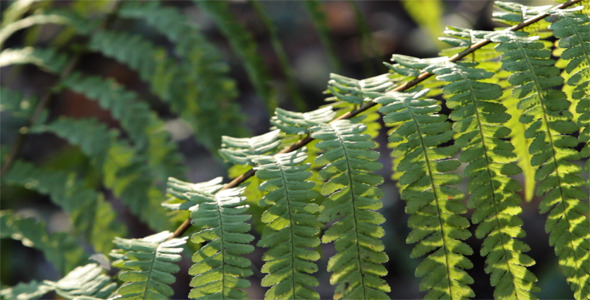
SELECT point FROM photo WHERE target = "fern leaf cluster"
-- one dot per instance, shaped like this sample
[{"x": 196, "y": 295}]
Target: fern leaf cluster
[
  {"x": 570, "y": 28},
  {"x": 427, "y": 184},
  {"x": 83, "y": 282},
  {"x": 479, "y": 131},
  {"x": 202, "y": 84},
  {"x": 292, "y": 226},
  {"x": 495, "y": 107},
  {"x": 546, "y": 111},
  {"x": 118, "y": 161},
  {"x": 351, "y": 203}
]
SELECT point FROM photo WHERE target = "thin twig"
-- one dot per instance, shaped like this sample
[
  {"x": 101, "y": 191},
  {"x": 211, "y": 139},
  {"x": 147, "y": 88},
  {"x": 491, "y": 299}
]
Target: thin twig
[{"x": 423, "y": 76}]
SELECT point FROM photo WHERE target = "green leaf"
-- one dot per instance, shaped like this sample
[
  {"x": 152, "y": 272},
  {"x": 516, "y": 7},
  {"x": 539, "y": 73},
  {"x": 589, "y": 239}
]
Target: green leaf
[
  {"x": 239, "y": 150},
  {"x": 558, "y": 178},
  {"x": 84, "y": 282},
  {"x": 495, "y": 202},
  {"x": 434, "y": 204},
  {"x": 220, "y": 268},
  {"x": 147, "y": 265},
  {"x": 352, "y": 197},
  {"x": 292, "y": 227}
]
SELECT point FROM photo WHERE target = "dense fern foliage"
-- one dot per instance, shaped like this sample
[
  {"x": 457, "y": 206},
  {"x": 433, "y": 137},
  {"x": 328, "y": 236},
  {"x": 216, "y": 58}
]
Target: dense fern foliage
[{"x": 495, "y": 126}]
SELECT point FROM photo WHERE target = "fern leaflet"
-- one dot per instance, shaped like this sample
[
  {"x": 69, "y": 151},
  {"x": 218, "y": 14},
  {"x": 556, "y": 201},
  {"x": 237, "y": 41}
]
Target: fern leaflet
[
  {"x": 240, "y": 150},
  {"x": 426, "y": 183},
  {"x": 142, "y": 125},
  {"x": 25, "y": 291},
  {"x": 121, "y": 166},
  {"x": 219, "y": 268},
  {"x": 353, "y": 197},
  {"x": 84, "y": 282},
  {"x": 206, "y": 84},
  {"x": 571, "y": 29},
  {"x": 292, "y": 226},
  {"x": 478, "y": 124},
  {"x": 546, "y": 111},
  {"x": 291, "y": 122},
  {"x": 147, "y": 265}
]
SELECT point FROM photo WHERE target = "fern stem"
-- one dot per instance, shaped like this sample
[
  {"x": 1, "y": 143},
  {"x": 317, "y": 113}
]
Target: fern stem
[{"x": 407, "y": 85}]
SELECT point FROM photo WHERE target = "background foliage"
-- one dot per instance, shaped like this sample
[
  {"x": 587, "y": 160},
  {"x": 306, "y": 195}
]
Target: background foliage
[{"x": 103, "y": 101}]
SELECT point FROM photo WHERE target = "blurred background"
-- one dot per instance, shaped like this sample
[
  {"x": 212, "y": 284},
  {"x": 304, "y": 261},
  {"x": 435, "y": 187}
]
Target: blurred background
[{"x": 357, "y": 37}]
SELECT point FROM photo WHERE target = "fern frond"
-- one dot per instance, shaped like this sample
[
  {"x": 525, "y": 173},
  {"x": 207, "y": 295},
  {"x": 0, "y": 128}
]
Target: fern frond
[
  {"x": 220, "y": 268},
  {"x": 90, "y": 214},
  {"x": 546, "y": 111},
  {"x": 292, "y": 226},
  {"x": 291, "y": 122},
  {"x": 239, "y": 150},
  {"x": 182, "y": 191},
  {"x": 245, "y": 47},
  {"x": 120, "y": 164},
  {"x": 412, "y": 67},
  {"x": 207, "y": 84},
  {"x": 358, "y": 91},
  {"x": 571, "y": 29},
  {"x": 347, "y": 91},
  {"x": 166, "y": 78},
  {"x": 423, "y": 168},
  {"x": 513, "y": 13},
  {"x": 60, "y": 249},
  {"x": 479, "y": 131},
  {"x": 143, "y": 126},
  {"x": 353, "y": 197},
  {"x": 489, "y": 60},
  {"x": 26, "y": 291},
  {"x": 147, "y": 265},
  {"x": 84, "y": 282}
]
